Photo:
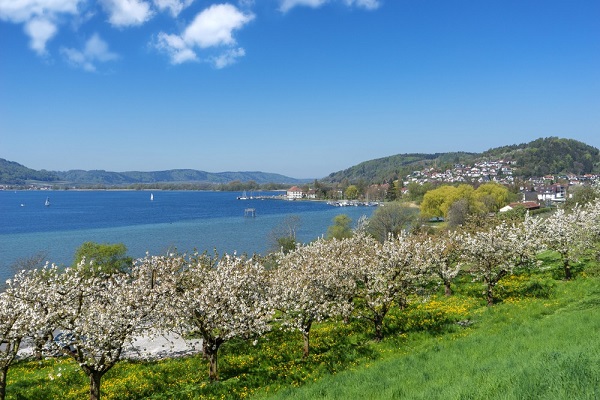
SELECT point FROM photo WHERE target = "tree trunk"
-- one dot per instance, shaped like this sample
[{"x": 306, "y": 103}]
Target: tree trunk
[
  {"x": 38, "y": 351},
  {"x": 378, "y": 321},
  {"x": 447, "y": 289},
  {"x": 95, "y": 378},
  {"x": 567, "y": 267},
  {"x": 212, "y": 352},
  {"x": 39, "y": 343},
  {"x": 306, "y": 337},
  {"x": 3, "y": 372},
  {"x": 490, "y": 294}
]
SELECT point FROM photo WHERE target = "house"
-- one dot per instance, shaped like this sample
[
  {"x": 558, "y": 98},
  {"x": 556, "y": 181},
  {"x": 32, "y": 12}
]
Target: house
[
  {"x": 528, "y": 205},
  {"x": 556, "y": 192},
  {"x": 294, "y": 193}
]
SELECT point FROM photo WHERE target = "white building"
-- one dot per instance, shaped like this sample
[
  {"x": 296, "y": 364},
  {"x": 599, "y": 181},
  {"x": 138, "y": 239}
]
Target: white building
[{"x": 294, "y": 193}]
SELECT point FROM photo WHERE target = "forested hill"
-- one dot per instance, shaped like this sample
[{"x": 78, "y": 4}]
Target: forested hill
[
  {"x": 545, "y": 156},
  {"x": 99, "y": 177},
  {"x": 387, "y": 169},
  {"x": 13, "y": 173},
  {"x": 550, "y": 156}
]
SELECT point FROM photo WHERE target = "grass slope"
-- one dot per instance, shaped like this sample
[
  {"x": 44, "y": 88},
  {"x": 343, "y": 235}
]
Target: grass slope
[{"x": 526, "y": 349}]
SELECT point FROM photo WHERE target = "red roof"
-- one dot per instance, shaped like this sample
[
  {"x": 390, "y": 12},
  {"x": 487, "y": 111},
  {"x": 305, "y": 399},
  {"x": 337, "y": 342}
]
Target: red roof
[{"x": 527, "y": 204}]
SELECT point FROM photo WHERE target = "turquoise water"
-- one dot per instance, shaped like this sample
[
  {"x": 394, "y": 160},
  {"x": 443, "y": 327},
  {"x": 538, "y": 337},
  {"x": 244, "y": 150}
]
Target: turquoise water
[{"x": 181, "y": 221}]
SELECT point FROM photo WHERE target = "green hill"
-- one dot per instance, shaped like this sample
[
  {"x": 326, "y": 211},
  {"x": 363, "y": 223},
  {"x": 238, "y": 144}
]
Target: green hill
[
  {"x": 545, "y": 156},
  {"x": 100, "y": 177},
  {"x": 550, "y": 156},
  {"x": 12, "y": 173},
  {"x": 389, "y": 168}
]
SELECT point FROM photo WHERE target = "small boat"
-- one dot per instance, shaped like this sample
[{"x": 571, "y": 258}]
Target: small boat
[
  {"x": 151, "y": 196},
  {"x": 47, "y": 203}
]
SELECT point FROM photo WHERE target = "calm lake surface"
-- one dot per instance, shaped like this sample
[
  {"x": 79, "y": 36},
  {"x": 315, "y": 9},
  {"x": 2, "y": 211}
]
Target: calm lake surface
[{"x": 181, "y": 220}]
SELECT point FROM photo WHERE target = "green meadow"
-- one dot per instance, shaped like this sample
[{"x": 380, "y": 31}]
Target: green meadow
[{"x": 541, "y": 341}]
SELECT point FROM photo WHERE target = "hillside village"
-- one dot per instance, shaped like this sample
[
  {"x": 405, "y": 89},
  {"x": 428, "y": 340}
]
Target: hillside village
[
  {"x": 543, "y": 190},
  {"x": 548, "y": 188}
]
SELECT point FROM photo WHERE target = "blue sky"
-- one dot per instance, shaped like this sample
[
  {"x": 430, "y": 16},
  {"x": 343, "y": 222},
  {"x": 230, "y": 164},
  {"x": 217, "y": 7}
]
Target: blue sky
[{"x": 298, "y": 87}]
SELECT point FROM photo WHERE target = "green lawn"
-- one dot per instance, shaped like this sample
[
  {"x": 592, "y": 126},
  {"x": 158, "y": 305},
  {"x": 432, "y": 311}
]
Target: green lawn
[{"x": 528, "y": 349}]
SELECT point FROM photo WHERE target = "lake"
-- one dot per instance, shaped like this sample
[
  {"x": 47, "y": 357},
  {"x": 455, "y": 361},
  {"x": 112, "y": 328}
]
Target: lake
[{"x": 173, "y": 220}]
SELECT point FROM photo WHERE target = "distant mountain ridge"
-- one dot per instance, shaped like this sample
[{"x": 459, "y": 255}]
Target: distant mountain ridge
[
  {"x": 12, "y": 173},
  {"x": 102, "y": 177},
  {"x": 544, "y": 156}
]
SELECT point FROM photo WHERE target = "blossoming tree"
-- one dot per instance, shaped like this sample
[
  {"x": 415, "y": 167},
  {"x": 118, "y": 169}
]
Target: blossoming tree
[
  {"x": 96, "y": 315},
  {"x": 493, "y": 253},
  {"x": 20, "y": 317},
  {"x": 569, "y": 233},
  {"x": 220, "y": 302},
  {"x": 440, "y": 255},
  {"x": 12, "y": 330},
  {"x": 389, "y": 278},
  {"x": 316, "y": 282}
]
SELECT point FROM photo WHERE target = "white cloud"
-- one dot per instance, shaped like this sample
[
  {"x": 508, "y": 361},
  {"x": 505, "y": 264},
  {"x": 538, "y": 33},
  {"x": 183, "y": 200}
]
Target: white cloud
[
  {"x": 173, "y": 6},
  {"x": 40, "y": 30},
  {"x": 287, "y": 5},
  {"x": 39, "y": 18},
  {"x": 124, "y": 13},
  {"x": 368, "y": 4},
  {"x": 213, "y": 27},
  {"x": 95, "y": 50},
  {"x": 176, "y": 48},
  {"x": 227, "y": 58},
  {"x": 246, "y": 3},
  {"x": 21, "y": 11}
]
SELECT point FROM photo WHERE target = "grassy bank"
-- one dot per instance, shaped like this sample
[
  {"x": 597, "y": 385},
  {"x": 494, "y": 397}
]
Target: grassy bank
[
  {"x": 541, "y": 341},
  {"x": 524, "y": 349}
]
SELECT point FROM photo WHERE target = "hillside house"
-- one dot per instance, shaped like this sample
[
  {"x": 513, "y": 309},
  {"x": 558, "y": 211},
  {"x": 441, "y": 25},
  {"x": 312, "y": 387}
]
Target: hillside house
[{"x": 556, "y": 193}]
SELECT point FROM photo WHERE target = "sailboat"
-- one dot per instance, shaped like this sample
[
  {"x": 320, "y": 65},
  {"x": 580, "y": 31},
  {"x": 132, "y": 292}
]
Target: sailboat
[
  {"x": 243, "y": 196},
  {"x": 47, "y": 203},
  {"x": 151, "y": 196}
]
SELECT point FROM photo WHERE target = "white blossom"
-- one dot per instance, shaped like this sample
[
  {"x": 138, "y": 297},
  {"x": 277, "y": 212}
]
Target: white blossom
[
  {"x": 218, "y": 301},
  {"x": 388, "y": 277},
  {"x": 569, "y": 233},
  {"x": 494, "y": 253},
  {"x": 315, "y": 282}
]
